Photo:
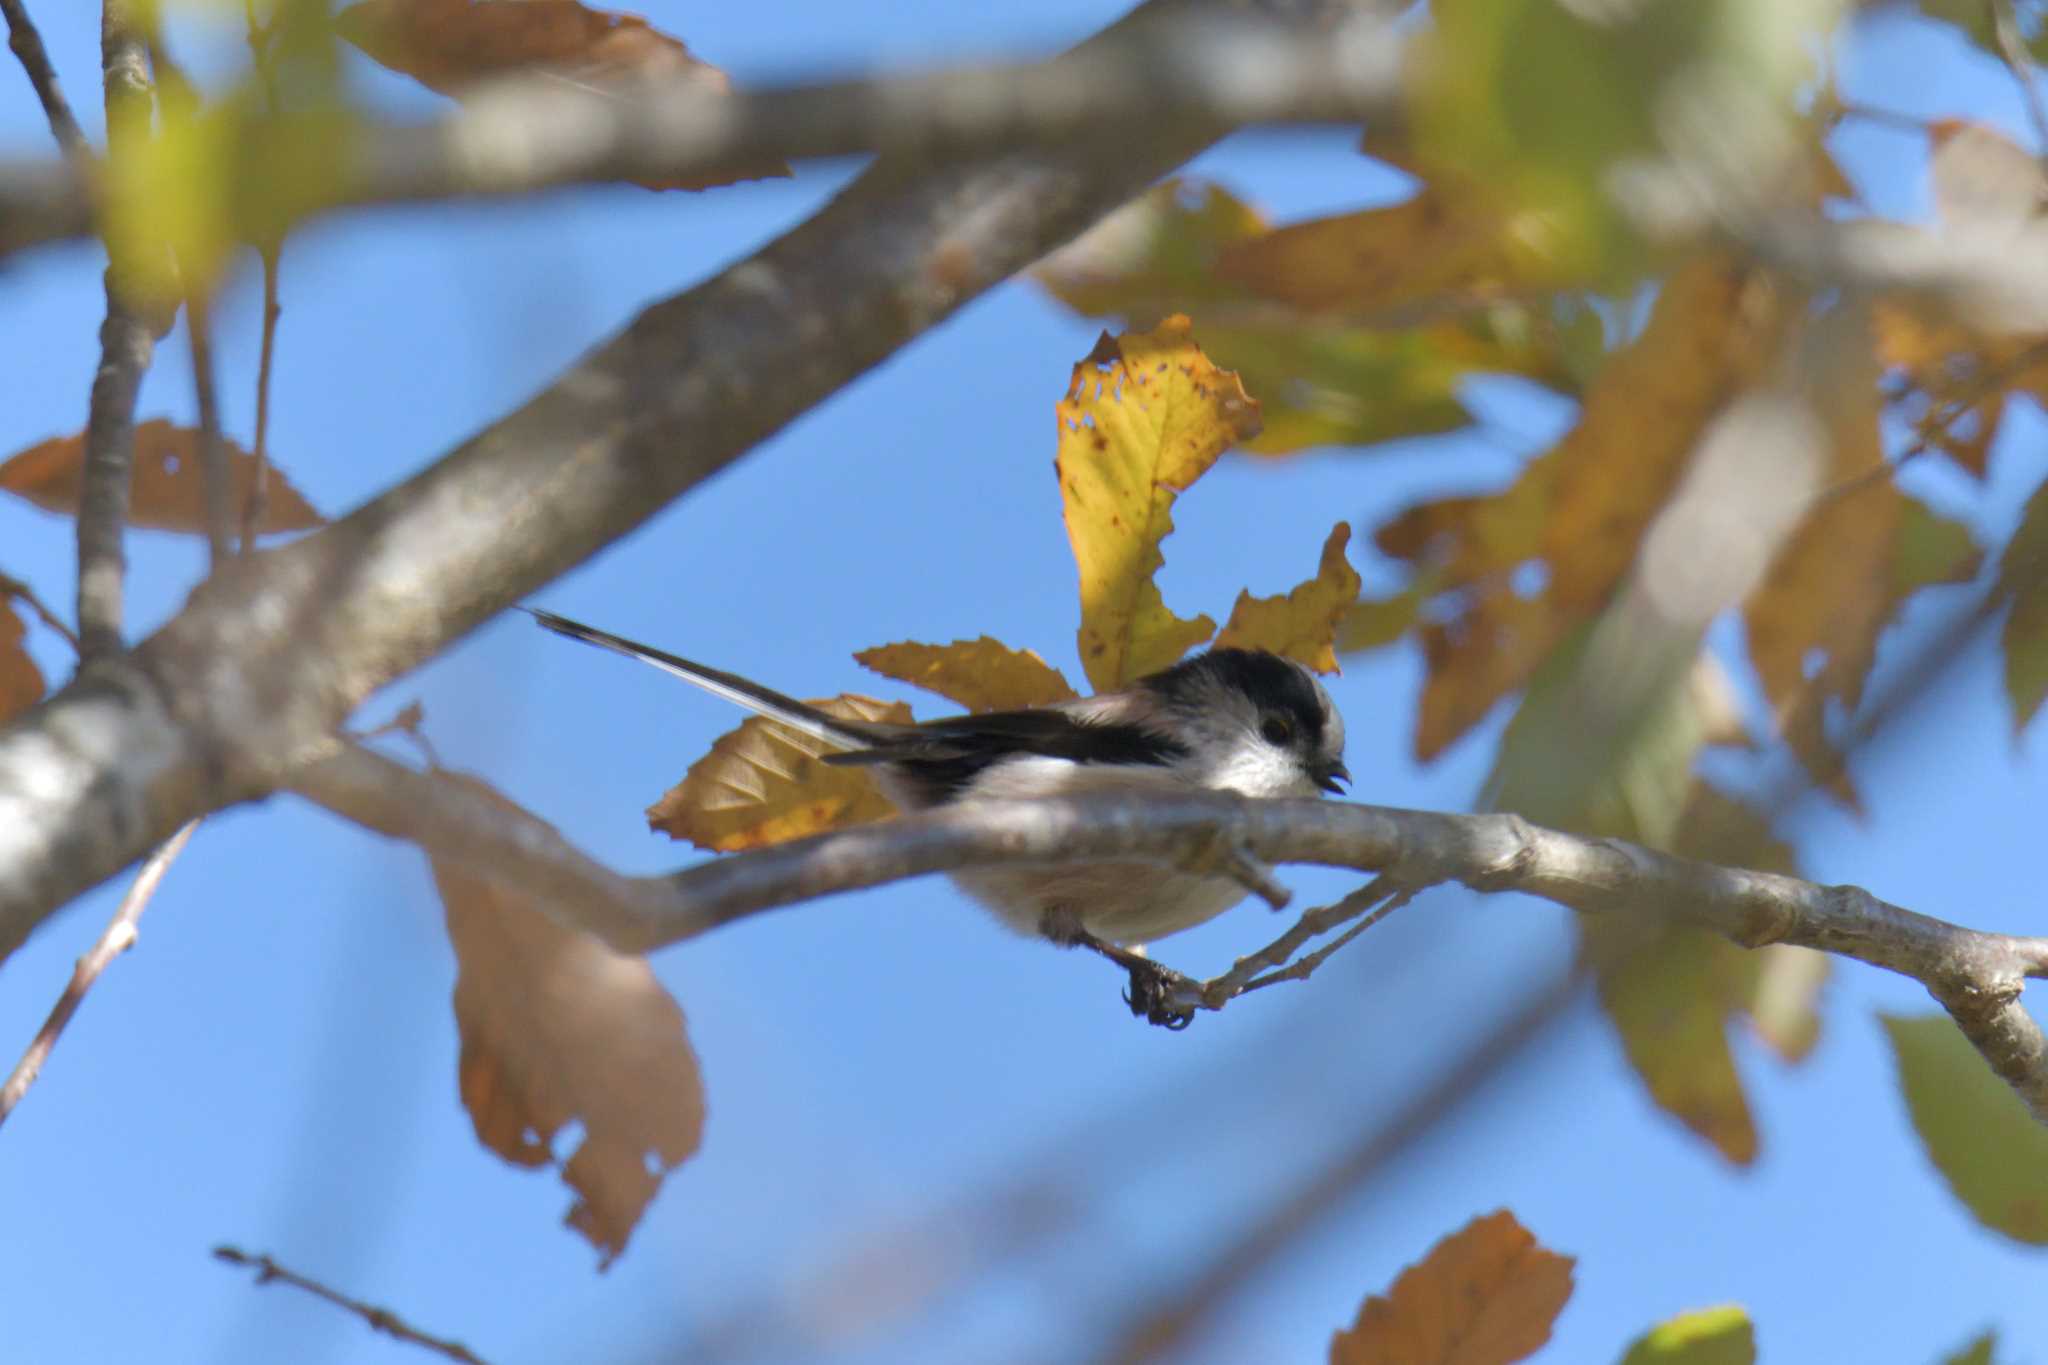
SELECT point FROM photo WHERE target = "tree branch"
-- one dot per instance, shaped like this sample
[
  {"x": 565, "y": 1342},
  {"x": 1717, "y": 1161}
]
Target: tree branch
[
  {"x": 127, "y": 340},
  {"x": 1976, "y": 976},
  {"x": 259, "y": 670},
  {"x": 27, "y": 45},
  {"x": 522, "y": 135}
]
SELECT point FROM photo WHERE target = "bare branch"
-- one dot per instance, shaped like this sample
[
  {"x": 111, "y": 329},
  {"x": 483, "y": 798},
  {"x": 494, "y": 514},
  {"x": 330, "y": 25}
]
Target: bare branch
[
  {"x": 380, "y": 1319},
  {"x": 27, "y": 45},
  {"x": 213, "y": 452},
  {"x": 529, "y": 134},
  {"x": 259, "y": 671},
  {"x": 1976, "y": 976},
  {"x": 116, "y": 939},
  {"x": 127, "y": 341}
]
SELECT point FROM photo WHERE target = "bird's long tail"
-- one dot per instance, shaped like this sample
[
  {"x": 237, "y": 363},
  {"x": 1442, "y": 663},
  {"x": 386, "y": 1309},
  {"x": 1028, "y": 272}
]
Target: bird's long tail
[{"x": 761, "y": 700}]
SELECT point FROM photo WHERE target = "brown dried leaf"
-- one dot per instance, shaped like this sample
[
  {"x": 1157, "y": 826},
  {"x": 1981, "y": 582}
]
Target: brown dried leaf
[
  {"x": 450, "y": 45},
  {"x": 21, "y": 682},
  {"x": 763, "y": 784},
  {"x": 1448, "y": 247},
  {"x": 1145, "y": 415},
  {"x": 167, "y": 487},
  {"x": 1579, "y": 510},
  {"x": 1814, "y": 622},
  {"x": 1486, "y": 1295},
  {"x": 557, "y": 1028},
  {"x": 1303, "y": 624},
  {"x": 982, "y": 675}
]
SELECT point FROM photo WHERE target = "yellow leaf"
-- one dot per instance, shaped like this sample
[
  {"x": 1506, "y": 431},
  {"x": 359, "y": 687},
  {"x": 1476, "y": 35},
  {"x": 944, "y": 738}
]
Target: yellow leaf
[
  {"x": 763, "y": 784},
  {"x": 1303, "y": 624},
  {"x": 982, "y": 675},
  {"x": 167, "y": 487},
  {"x": 1145, "y": 416},
  {"x": 21, "y": 682},
  {"x": 1486, "y": 1295},
  {"x": 1670, "y": 999},
  {"x": 1579, "y": 511},
  {"x": 1705, "y": 1336},
  {"x": 559, "y": 1029}
]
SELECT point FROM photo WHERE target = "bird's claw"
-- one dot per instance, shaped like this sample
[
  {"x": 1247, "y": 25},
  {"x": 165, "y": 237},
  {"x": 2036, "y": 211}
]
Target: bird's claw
[{"x": 1151, "y": 998}]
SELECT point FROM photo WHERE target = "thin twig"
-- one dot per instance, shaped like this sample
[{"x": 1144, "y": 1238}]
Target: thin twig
[
  {"x": 2012, "y": 46},
  {"x": 15, "y": 588},
  {"x": 27, "y": 45},
  {"x": 1313, "y": 924},
  {"x": 115, "y": 939},
  {"x": 258, "y": 501},
  {"x": 127, "y": 341},
  {"x": 380, "y": 1319},
  {"x": 1303, "y": 967},
  {"x": 213, "y": 452}
]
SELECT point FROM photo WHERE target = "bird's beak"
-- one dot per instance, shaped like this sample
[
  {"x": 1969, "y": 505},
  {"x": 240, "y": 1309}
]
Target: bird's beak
[{"x": 1333, "y": 776}]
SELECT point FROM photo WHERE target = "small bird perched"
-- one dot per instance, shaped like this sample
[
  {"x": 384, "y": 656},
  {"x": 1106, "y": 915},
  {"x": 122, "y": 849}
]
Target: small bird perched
[{"x": 1227, "y": 720}]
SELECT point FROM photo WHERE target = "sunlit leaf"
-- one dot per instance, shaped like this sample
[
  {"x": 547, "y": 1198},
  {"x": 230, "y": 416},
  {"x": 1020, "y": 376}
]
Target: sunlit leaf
[
  {"x": 1144, "y": 417},
  {"x": 452, "y": 45},
  {"x": 1978, "y": 1133},
  {"x": 1303, "y": 624},
  {"x": 1371, "y": 622},
  {"x": 1578, "y": 512},
  {"x": 1706, "y": 1336},
  {"x": 982, "y": 675},
  {"x": 763, "y": 784},
  {"x": 167, "y": 486},
  {"x": 21, "y": 682},
  {"x": 1485, "y": 1295},
  {"x": 559, "y": 1029}
]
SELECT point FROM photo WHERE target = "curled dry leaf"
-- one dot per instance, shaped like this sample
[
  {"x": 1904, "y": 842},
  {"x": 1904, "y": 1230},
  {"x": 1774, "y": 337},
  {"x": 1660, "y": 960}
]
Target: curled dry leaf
[
  {"x": 450, "y": 45},
  {"x": 167, "y": 489},
  {"x": 1145, "y": 415},
  {"x": 557, "y": 1028},
  {"x": 982, "y": 675},
  {"x": 1303, "y": 624},
  {"x": 1485, "y": 1295},
  {"x": 763, "y": 784},
  {"x": 21, "y": 682},
  {"x": 1579, "y": 511}
]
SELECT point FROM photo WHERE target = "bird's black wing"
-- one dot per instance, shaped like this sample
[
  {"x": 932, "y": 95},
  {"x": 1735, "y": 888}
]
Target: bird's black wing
[{"x": 946, "y": 755}]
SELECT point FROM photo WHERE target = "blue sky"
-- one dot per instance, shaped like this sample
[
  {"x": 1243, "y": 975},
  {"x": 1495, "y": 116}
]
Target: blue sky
[{"x": 274, "y": 1065}]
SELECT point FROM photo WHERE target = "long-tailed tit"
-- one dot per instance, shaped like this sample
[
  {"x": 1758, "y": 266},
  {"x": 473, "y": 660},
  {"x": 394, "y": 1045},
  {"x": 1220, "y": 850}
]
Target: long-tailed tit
[{"x": 1231, "y": 720}]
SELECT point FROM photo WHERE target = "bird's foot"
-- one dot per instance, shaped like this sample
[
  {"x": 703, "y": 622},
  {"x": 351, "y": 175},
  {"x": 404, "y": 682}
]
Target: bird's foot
[{"x": 1155, "y": 994}]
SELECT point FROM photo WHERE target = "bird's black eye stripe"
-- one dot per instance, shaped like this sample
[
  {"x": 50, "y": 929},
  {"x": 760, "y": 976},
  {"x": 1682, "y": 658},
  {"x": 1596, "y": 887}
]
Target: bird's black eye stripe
[{"x": 1276, "y": 729}]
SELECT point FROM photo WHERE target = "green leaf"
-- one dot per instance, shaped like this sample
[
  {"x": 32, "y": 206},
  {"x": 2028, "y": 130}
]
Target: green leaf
[
  {"x": 2024, "y": 574},
  {"x": 1977, "y": 1131},
  {"x": 1932, "y": 549},
  {"x": 1708, "y": 1336},
  {"x": 1978, "y": 1352}
]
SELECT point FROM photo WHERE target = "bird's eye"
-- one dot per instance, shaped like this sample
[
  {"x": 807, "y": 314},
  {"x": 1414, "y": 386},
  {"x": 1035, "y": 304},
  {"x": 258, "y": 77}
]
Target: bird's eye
[{"x": 1276, "y": 730}]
